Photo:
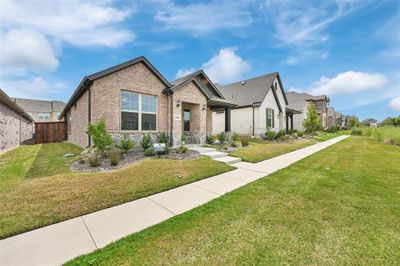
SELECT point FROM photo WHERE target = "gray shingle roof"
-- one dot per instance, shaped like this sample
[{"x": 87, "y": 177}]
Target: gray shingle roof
[
  {"x": 250, "y": 91},
  {"x": 31, "y": 105}
]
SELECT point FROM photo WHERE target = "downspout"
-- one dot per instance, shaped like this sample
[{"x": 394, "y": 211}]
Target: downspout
[{"x": 171, "y": 117}]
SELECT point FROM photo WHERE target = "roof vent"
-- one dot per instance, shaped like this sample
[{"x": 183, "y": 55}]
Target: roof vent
[{"x": 243, "y": 82}]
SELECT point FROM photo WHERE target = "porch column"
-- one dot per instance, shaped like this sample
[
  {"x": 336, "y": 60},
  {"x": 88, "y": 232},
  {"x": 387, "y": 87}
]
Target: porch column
[
  {"x": 291, "y": 121},
  {"x": 227, "y": 119},
  {"x": 287, "y": 121}
]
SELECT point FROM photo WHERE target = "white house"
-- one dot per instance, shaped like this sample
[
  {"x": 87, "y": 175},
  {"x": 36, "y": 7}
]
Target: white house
[{"x": 261, "y": 105}]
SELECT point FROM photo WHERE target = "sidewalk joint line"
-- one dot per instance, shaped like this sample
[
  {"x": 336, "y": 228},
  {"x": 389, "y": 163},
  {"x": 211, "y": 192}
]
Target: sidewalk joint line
[
  {"x": 165, "y": 208},
  {"x": 90, "y": 234},
  {"x": 206, "y": 189}
]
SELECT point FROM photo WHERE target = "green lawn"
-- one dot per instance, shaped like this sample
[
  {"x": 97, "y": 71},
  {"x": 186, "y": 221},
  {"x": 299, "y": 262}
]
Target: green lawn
[
  {"x": 337, "y": 207},
  {"x": 323, "y": 136},
  {"x": 56, "y": 194},
  {"x": 260, "y": 150}
]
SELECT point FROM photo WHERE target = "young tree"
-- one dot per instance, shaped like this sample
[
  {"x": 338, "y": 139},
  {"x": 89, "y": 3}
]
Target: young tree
[
  {"x": 101, "y": 138},
  {"x": 353, "y": 121},
  {"x": 312, "y": 121}
]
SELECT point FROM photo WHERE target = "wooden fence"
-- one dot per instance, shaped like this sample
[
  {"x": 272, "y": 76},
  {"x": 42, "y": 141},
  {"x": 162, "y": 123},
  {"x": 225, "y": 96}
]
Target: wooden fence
[{"x": 49, "y": 132}]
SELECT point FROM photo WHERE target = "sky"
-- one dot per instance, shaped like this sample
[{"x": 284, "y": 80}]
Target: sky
[{"x": 346, "y": 49}]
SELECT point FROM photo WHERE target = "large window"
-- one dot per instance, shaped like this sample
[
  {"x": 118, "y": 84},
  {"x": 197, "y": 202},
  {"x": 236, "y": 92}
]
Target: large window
[
  {"x": 44, "y": 116},
  {"x": 138, "y": 111},
  {"x": 270, "y": 118}
]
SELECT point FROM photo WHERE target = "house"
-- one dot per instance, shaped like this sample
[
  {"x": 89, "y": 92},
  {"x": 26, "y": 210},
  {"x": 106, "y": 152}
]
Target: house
[
  {"x": 344, "y": 121},
  {"x": 338, "y": 119},
  {"x": 331, "y": 118},
  {"x": 134, "y": 98},
  {"x": 300, "y": 101},
  {"x": 370, "y": 122},
  {"x": 16, "y": 126},
  {"x": 41, "y": 111},
  {"x": 260, "y": 105}
]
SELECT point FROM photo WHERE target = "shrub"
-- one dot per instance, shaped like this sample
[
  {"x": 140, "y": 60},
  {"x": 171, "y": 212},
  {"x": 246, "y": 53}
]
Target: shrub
[
  {"x": 224, "y": 147},
  {"x": 115, "y": 156},
  {"x": 126, "y": 142},
  {"x": 148, "y": 152},
  {"x": 145, "y": 142},
  {"x": 245, "y": 141},
  {"x": 101, "y": 138},
  {"x": 270, "y": 135},
  {"x": 280, "y": 134},
  {"x": 235, "y": 136},
  {"x": 210, "y": 139},
  {"x": 94, "y": 160},
  {"x": 221, "y": 137},
  {"x": 368, "y": 132},
  {"x": 332, "y": 129},
  {"x": 300, "y": 134},
  {"x": 181, "y": 149},
  {"x": 183, "y": 138},
  {"x": 356, "y": 131},
  {"x": 163, "y": 138}
]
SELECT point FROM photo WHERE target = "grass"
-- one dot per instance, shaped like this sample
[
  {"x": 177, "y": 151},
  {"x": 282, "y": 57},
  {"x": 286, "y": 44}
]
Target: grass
[
  {"x": 30, "y": 161},
  {"x": 337, "y": 207},
  {"x": 260, "y": 150},
  {"x": 388, "y": 135},
  {"x": 323, "y": 136},
  {"x": 28, "y": 203}
]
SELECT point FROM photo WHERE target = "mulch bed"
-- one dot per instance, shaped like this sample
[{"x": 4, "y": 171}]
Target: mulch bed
[{"x": 129, "y": 158}]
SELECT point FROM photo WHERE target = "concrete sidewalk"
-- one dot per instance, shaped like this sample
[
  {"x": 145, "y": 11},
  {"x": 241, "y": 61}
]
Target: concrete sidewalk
[{"x": 58, "y": 243}]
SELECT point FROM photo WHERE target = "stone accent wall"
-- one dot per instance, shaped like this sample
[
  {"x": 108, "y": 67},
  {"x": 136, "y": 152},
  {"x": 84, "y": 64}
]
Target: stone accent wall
[
  {"x": 78, "y": 121},
  {"x": 14, "y": 129},
  {"x": 189, "y": 95},
  {"x": 106, "y": 96}
]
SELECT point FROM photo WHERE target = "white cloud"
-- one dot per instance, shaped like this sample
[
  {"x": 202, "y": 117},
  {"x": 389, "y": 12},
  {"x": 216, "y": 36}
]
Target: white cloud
[
  {"x": 201, "y": 18},
  {"x": 23, "y": 49},
  {"x": 395, "y": 103},
  {"x": 36, "y": 88},
  {"x": 184, "y": 72},
  {"x": 348, "y": 82},
  {"x": 224, "y": 67}
]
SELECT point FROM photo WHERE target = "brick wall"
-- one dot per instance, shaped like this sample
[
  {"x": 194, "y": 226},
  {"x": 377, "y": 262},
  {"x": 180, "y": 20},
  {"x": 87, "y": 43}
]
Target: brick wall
[
  {"x": 78, "y": 121},
  {"x": 14, "y": 128}
]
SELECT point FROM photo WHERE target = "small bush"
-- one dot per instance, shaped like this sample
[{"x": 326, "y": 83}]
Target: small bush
[
  {"x": 183, "y": 138},
  {"x": 148, "y": 152},
  {"x": 235, "y": 136},
  {"x": 115, "y": 156},
  {"x": 300, "y": 133},
  {"x": 126, "y": 142},
  {"x": 224, "y": 147},
  {"x": 145, "y": 142},
  {"x": 101, "y": 138},
  {"x": 181, "y": 149},
  {"x": 221, "y": 137},
  {"x": 356, "y": 131},
  {"x": 280, "y": 134},
  {"x": 94, "y": 160},
  {"x": 245, "y": 141},
  {"x": 332, "y": 129},
  {"x": 270, "y": 135},
  {"x": 163, "y": 138},
  {"x": 210, "y": 139}
]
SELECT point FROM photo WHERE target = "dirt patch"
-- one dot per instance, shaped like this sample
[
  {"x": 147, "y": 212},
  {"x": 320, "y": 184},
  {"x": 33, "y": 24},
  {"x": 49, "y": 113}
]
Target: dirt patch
[{"x": 130, "y": 158}]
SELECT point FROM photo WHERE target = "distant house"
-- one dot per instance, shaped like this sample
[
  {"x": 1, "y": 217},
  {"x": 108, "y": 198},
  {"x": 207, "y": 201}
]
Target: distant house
[
  {"x": 40, "y": 110},
  {"x": 135, "y": 99},
  {"x": 16, "y": 126},
  {"x": 370, "y": 122},
  {"x": 260, "y": 105},
  {"x": 300, "y": 101}
]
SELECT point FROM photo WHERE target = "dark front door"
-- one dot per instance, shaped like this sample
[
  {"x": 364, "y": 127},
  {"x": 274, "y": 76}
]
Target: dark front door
[{"x": 186, "y": 120}]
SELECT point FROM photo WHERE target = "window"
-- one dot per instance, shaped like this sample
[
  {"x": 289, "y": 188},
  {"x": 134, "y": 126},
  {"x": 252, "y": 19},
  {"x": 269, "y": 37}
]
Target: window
[
  {"x": 186, "y": 120},
  {"x": 58, "y": 115},
  {"x": 44, "y": 116},
  {"x": 270, "y": 118},
  {"x": 138, "y": 111}
]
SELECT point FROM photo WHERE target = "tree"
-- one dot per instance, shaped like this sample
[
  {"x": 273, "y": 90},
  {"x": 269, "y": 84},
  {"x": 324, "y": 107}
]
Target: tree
[
  {"x": 312, "y": 121},
  {"x": 395, "y": 121},
  {"x": 353, "y": 121},
  {"x": 101, "y": 138}
]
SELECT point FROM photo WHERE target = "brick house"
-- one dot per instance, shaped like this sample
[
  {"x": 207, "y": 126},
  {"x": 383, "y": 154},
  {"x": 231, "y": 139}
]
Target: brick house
[
  {"x": 16, "y": 126},
  {"x": 134, "y": 98}
]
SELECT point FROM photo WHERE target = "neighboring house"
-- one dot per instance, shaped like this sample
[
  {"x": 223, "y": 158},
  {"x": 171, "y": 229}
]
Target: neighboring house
[
  {"x": 344, "y": 121},
  {"x": 40, "y": 110},
  {"x": 300, "y": 101},
  {"x": 261, "y": 105},
  {"x": 370, "y": 122},
  {"x": 16, "y": 126},
  {"x": 331, "y": 119},
  {"x": 338, "y": 119},
  {"x": 134, "y": 98}
]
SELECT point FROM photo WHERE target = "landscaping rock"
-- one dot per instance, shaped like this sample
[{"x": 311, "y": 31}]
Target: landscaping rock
[{"x": 69, "y": 155}]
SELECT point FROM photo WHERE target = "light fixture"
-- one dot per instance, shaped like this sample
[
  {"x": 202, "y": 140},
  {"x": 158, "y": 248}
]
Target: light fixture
[
  {"x": 204, "y": 107},
  {"x": 178, "y": 103}
]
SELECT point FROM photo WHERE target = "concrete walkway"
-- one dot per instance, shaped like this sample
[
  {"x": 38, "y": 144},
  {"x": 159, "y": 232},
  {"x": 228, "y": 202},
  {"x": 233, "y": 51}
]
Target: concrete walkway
[{"x": 58, "y": 243}]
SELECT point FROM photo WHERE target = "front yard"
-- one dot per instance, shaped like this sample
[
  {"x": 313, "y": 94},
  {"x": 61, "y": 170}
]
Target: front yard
[
  {"x": 37, "y": 188},
  {"x": 339, "y": 206}
]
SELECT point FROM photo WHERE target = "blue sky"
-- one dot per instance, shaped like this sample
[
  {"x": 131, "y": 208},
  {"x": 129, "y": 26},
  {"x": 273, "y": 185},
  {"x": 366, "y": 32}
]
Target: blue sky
[{"x": 347, "y": 49}]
